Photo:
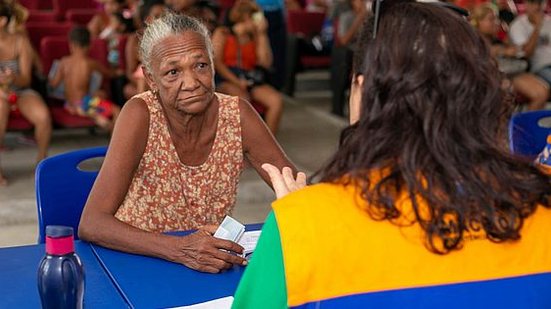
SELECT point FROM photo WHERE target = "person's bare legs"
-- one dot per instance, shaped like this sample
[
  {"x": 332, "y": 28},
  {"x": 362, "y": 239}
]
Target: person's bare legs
[
  {"x": 233, "y": 90},
  {"x": 533, "y": 88},
  {"x": 103, "y": 122},
  {"x": 4, "y": 116},
  {"x": 34, "y": 109},
  {"x": 106, "y": 123},
  {"x": 270, "y": 98}
]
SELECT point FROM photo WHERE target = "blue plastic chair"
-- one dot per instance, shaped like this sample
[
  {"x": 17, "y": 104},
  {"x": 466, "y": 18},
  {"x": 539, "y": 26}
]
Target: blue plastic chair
[
  {"x": 527, "y": 138},
  {"x": 62, "y": 188}
]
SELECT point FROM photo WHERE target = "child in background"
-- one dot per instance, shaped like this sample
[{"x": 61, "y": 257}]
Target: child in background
[
  {"x": 75, "y": 72},
  {"x": 102, "y": 22},
  {"x": 120, "y": 26}
]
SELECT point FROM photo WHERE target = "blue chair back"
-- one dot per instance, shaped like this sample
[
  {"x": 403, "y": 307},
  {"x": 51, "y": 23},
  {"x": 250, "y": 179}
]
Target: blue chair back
[
  {"x": 526, "y": 136},
  {"x": 62, "y": 188}
]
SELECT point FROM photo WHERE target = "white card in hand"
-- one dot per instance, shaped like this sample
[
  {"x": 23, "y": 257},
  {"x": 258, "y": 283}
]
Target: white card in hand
[
  {"x": 248, "y": 241},
  {"x": 230, "y": 229}
]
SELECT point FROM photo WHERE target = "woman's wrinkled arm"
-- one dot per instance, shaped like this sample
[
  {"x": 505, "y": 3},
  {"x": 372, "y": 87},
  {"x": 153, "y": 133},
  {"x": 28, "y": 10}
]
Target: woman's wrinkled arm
[
  {"x": 259, "y": 145},
  {"x": 98, "y": 223},
  {"x": 200, "y": 251}
]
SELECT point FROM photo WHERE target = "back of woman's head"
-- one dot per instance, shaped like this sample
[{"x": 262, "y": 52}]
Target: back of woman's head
[{"x": 433, "y": 121}]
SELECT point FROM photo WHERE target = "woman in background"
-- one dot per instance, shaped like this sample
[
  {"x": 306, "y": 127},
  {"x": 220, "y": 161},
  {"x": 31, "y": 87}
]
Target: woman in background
[
  {"x": 242, "y": 56},
  {"x": 15, "y": 80},
  {"x": 485, "y": 20}
]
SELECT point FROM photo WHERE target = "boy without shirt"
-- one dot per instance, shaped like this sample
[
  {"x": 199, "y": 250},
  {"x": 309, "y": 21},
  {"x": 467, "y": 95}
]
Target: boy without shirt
[{"x": 75, "y": 72}]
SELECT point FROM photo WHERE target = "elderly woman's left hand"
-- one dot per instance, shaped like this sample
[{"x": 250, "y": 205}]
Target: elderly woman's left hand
[{"x": 283, "y": 181}]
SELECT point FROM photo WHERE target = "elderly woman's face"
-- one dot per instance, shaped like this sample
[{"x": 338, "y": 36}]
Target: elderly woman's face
[{"x": 182, "y": 73}]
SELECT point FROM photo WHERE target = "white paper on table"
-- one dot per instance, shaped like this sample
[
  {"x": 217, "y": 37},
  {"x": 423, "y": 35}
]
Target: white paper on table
[
  {"x": 219, "y": 303},
  {"x": 248, "y": 241}
]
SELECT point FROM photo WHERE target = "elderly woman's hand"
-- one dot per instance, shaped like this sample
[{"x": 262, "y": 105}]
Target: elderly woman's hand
[
  {"x": 203, "y": 252},
  {"x": 284, "y": 182}
]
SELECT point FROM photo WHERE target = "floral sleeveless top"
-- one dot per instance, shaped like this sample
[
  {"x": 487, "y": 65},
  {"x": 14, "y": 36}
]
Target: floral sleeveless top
[{"x": 167, "y": 195}]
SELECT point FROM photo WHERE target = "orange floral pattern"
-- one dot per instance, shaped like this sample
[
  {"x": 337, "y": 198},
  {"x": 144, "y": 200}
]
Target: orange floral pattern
[{"x": 167, "y": 195}]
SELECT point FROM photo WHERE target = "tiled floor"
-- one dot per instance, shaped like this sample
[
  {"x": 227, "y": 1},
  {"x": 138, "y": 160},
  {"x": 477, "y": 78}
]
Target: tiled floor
[{"x": 308, "y": 134}]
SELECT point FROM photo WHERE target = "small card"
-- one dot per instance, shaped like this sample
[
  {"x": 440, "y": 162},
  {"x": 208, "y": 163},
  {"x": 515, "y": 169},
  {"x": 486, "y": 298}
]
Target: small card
[
  {"x": 248, "y": 241},
  {"x": 230, "y": 229}
]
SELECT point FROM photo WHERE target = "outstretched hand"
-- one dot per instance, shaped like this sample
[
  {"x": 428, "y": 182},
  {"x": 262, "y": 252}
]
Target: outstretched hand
[{"x": 283, "y": 181}]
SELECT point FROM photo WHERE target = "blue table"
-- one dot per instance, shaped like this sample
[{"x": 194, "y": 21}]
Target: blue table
[
  {"x": 18, "y": 278},
  {"x": 154, "y": 283}
]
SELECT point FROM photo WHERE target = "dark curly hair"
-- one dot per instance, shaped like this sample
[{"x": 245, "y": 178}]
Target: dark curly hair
[{"x": 433, "y": 125}]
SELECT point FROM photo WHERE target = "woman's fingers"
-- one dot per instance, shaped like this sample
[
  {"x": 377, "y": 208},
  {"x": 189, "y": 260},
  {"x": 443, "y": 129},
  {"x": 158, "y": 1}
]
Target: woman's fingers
[
  {"x": 301, "y": 180},
  {"x": 276, "y": 178},
  {"x": 283, "y": 181}
]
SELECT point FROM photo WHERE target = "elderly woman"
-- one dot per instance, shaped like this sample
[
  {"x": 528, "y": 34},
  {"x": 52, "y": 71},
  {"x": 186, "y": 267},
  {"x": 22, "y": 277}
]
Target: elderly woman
[
  {"x": 176, "y": 155},
  {"x": 423, "y": 205}
]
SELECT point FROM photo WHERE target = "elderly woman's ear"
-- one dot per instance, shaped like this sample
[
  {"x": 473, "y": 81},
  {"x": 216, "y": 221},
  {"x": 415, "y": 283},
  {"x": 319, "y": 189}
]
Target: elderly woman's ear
[{"x": 149, "y": 80}]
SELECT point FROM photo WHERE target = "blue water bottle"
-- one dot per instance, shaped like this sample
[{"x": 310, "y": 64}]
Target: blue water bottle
[{"x": 60, "y": 273}]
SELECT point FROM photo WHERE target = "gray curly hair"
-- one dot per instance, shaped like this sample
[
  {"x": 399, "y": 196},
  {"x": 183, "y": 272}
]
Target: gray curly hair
[{"x": 167, "y": 25}]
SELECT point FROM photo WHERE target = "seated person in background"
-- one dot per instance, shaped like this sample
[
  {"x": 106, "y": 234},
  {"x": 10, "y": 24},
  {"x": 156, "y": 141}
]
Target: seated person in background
[
  {"x": 484, "y": 19},
  {"x": 103, "y": 22},
  {"x": 75, "y": 72},
  {"x": 531, "y": 32},
  {"x": 136, "y": 83},
  {"x": 17, "y": 26},
  {"x": 176, "y": 155},
  {"x": 242, "y": 57},
  {"x": 349, "y": 22},
  {"x": 120, "y": 26},
  {"x": 16, "y": 54},
  {"x": 423, "y": 203}
]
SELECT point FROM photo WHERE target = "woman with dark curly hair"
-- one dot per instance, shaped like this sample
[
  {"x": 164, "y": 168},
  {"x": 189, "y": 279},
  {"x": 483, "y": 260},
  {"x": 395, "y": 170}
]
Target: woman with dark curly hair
[{"x": 423, "y": 205}]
